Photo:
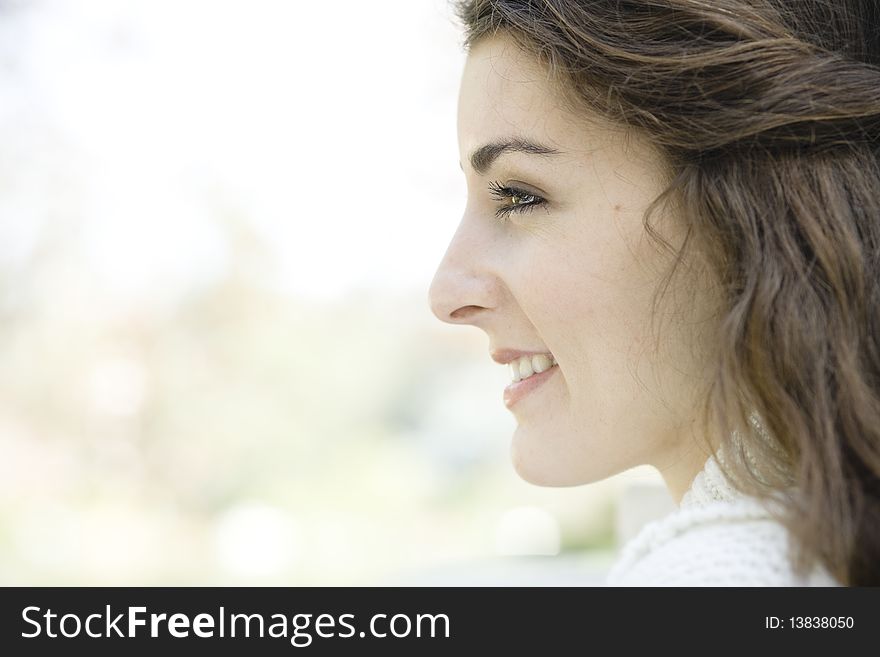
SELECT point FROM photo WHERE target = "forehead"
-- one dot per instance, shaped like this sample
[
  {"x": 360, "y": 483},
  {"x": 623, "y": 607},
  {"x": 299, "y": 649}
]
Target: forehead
[{"x": 505, "y": 91}]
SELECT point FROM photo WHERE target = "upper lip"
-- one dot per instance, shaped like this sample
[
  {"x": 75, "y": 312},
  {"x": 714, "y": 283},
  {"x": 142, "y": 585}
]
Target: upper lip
[{"x": 504, "y": 356}]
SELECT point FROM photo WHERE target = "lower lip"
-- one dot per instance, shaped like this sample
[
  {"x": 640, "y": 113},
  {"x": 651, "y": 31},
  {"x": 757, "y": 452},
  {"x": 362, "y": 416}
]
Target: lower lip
[{"x": 516, "y": 391}]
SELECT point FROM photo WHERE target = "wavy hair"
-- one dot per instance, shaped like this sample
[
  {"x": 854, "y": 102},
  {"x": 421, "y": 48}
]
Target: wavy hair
[{"x": 768, "y": 115}]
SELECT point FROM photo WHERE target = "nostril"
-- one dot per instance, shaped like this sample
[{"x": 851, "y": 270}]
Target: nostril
[{"x": 465, "y": 312}]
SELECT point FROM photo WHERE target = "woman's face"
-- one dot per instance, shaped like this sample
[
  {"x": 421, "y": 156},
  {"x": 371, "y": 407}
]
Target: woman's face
[{"x": 551, "y": 257}]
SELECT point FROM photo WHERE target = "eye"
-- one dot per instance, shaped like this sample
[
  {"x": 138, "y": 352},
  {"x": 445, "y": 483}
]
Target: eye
[{"x": 518, "y": 200}]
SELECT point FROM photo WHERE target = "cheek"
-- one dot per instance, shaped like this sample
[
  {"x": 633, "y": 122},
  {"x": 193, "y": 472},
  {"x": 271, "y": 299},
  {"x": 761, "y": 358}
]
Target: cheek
[
  {"x": 589, "y": 305},
  {"x": 590, "y": 300},
  {"x": 578, "y": 285}
]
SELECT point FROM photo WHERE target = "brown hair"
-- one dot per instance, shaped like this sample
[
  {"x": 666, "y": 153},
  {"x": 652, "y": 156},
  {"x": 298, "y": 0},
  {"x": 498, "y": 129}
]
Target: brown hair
[{"x": 768, "y": 114}]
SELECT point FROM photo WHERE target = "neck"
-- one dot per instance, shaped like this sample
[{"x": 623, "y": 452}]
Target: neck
[
  {"x": 679, "y": 467},
  {"x": 679, "y": 474}
]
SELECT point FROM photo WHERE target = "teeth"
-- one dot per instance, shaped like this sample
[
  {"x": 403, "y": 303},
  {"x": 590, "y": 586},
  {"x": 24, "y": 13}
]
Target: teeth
[
  {"x": 541, "y": 363},
  {"x": 514, "y": 370},
  {"x": 523, "y": 368}
]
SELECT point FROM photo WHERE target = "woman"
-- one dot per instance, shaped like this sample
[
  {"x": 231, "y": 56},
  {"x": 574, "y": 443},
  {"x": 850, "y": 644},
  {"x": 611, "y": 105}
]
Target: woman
[{"x": 672, "y": 236}]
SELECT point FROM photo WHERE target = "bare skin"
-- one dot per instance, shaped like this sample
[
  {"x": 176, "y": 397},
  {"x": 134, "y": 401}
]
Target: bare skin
[{"x": 570, "y": 271}]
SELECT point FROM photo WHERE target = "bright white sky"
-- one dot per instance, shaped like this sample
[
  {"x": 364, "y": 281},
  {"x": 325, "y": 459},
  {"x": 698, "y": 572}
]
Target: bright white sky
[{"x": 329, "y": 125}]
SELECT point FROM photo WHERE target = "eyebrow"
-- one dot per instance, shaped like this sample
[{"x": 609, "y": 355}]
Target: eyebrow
[{"x": 482, "y": 158}]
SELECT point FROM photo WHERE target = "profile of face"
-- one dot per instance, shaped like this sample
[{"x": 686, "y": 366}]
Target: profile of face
[{"x": 552, "y": 261}]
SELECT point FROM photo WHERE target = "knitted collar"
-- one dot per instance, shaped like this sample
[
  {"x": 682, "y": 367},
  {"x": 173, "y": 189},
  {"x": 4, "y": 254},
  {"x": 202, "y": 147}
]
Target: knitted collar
[
  {"x": 709, "y": 486},
  {"x": 710, "y": 499}
]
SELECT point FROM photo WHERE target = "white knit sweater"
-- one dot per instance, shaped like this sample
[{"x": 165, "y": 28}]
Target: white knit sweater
[{"x": 716, "y": 537}]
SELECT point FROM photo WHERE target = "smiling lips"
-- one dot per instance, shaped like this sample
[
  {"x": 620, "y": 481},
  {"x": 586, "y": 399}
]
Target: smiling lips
[
  {"x": 528, "y": 371},
  {"x": 518, "y": 389}
]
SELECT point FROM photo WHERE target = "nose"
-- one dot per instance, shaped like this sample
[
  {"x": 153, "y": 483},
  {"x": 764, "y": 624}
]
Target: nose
[{"x": 464, "y": 288}]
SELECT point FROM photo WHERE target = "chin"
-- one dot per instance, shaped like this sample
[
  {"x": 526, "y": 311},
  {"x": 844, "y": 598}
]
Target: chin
[
  {"x": 535, "y": 466},
  {"x": 537, "y": 462}
]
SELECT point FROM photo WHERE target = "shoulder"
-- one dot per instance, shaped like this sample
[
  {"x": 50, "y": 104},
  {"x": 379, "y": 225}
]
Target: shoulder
[
  {"x": 718, "y": 545},
  {"x": 744, "y": 553}
]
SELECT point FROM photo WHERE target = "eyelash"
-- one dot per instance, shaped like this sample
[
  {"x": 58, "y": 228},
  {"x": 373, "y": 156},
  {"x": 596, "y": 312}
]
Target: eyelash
[{"x": 504, "y": 192}]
